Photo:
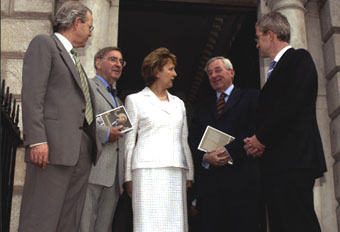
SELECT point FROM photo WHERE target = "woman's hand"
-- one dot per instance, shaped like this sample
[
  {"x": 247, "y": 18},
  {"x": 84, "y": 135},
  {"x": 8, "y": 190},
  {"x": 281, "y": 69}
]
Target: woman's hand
[
  {"x": 129, "y": 188},
  {"x": 189, "y": 184}
]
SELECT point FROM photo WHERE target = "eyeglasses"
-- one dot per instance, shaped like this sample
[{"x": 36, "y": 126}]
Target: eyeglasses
[
  {"x": 256, "y": 39},
  {"x": 90, "y": 26},
  {"x": 114, "y": 59}
]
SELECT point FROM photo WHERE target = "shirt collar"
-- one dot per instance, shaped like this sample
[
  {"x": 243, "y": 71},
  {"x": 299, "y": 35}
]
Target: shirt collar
[
  {"x": 227, "y": 91},
  {"x": 66, "y": 43},
  {"x": 283, "y": 50},
  {"x": 104, "y": 81}
]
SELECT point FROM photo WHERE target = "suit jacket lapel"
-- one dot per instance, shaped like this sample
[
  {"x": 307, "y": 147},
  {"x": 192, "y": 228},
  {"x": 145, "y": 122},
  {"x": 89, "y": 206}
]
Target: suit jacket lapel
[
  {"x": 232, "y": 99},
  {"x": 68, "y": 61},
  {"x": 281, "y": 64},
  {"x": 103, "y": 91}
]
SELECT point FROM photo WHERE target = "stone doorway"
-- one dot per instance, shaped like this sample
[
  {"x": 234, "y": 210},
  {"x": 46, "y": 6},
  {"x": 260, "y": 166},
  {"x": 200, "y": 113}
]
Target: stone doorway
[{"x": 194, "y": 32}]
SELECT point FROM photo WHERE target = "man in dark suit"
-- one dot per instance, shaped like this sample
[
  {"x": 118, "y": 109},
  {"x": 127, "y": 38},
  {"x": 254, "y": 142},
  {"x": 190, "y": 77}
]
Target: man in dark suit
[
  {"x": 227, "y": 180},
  {"x": 106, "y": 177},
  {"x": 59, "y": 124},
  {"x": 287, "y": 135}
]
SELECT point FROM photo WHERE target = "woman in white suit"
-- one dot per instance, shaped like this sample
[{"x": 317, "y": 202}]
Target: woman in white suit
[{"x": 159, "y": 165}]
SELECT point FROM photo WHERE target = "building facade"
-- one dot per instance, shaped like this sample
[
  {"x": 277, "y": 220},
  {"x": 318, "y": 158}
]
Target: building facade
[{"x": 315, "y": 27}]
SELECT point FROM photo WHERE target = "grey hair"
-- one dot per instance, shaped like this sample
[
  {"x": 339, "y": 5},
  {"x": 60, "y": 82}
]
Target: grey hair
[
  {"x": 68, "y": 13},
  {"x": 102, "y": 52},
  {"x": 227, "y": 63},
  {"x": 277, "y": 23}
]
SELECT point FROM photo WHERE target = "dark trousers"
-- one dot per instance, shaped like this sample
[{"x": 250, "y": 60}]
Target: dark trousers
[
  {"x": 235, "y": 212},
  {"x": 289, "y": 201}
]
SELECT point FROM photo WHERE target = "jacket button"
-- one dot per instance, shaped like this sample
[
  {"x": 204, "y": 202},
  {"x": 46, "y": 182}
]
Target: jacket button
[
  {"x": 80, "y": 128},
  {"x": 83, "y": 111}
]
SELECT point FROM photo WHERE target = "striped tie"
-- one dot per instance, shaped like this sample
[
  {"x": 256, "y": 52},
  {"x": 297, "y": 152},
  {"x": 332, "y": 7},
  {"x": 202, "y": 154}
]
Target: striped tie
[
  {"x": 271, "y": 67},
  {"x": 85, "y": 87},
  {"x": 221, "y": 103}
]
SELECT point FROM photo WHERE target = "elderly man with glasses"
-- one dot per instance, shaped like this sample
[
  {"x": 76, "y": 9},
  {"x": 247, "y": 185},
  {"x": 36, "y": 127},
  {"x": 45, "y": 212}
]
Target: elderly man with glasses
[{"x": 106, "y": 177}]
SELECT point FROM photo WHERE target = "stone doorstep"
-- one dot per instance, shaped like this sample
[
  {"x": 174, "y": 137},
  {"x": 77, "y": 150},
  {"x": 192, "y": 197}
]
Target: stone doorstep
[{"x": 15, "y": 212}]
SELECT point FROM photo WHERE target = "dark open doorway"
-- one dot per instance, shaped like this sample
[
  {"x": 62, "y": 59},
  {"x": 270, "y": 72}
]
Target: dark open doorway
[{"x": 194, "y": 32}]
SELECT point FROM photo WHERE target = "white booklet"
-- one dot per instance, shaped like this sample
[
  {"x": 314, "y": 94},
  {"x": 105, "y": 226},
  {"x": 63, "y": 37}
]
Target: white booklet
[
  {"x": 214, "y": 139},
  {"x": 115, "y": 117}
]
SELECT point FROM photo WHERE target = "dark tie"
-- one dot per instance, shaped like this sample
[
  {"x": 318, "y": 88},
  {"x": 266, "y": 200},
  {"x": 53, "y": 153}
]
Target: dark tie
[
  {"x": 271, "y": 67},
  {"x": 221, "y": 103},
  {"x": 113, "y": 91},
  {"x": 85, "y": 88}
]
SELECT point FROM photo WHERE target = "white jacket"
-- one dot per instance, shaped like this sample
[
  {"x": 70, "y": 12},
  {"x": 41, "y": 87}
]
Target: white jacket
[{"x": 159, "y": 137}]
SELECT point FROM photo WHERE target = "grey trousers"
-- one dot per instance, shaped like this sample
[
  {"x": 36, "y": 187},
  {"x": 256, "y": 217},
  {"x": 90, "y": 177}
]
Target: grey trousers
[
  {"x": 53, "y": 198},
  {"x": 99, "y": 208}
]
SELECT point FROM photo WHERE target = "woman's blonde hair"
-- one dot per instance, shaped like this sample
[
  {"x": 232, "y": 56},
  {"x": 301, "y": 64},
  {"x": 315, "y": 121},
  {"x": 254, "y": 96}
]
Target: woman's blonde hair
[{"x": 154, "y": 62}]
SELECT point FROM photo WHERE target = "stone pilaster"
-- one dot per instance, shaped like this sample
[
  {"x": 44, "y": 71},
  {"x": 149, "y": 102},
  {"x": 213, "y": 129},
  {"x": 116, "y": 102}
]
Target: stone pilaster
[
  {"x": 294, "y": 10},
  {"x": 330, "y": 33},
  {"x": 20, "y": 22},
  {"x": 324, "y": 198},
  {"x": 105, "y": 21},
  {"x": 263, "y": 9}
]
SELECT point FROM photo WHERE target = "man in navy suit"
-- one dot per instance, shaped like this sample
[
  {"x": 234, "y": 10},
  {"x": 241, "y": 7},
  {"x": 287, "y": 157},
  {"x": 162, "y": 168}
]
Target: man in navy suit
[
  {"x": 287, "y": 135},
  {"x": 228, "y": 182}
]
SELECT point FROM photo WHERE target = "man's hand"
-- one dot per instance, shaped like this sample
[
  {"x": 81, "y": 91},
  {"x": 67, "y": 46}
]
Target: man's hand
[
  {"x": 253, "y": 146},
  {"x": 115, "y": 133},
  {"x": 217, "y": 157},
  {"x": 39, "y": 155}
]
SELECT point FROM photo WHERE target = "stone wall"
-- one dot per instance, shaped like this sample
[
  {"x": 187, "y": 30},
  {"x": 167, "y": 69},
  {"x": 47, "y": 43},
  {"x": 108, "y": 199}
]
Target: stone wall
[
  {"x": 315, "y": 27},
  {"x": 20, "y": 22},
  {"x": 330, "y": 33},
  {"x": 324, "y": 197}
]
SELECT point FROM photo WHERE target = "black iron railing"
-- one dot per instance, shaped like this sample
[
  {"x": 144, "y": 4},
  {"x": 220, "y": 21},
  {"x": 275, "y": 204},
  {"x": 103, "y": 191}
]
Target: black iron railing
[{"x": 10, "y": 140}]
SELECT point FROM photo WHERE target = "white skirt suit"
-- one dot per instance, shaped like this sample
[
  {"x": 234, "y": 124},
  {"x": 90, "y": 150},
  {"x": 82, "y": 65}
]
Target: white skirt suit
[{"x": 158, "y": 161}]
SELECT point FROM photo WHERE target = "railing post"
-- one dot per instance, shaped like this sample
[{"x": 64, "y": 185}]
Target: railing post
[{"x": 10, "y": 140}]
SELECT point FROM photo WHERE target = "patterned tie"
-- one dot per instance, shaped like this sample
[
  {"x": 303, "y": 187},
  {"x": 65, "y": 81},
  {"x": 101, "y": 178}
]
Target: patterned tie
[
  {"x": 221, "y": 103},
  {"x": 271, "y": 67},
  {"x": 113, "y": 91},
  {"x": 85, "y": 87}
]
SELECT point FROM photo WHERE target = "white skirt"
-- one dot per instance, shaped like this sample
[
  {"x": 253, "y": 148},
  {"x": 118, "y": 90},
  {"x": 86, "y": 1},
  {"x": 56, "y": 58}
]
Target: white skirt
[{"x": 159, "y": 200}]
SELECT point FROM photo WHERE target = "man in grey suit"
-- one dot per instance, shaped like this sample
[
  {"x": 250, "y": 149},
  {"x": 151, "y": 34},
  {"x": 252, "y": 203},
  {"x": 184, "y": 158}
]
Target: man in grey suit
[
  {"x": 106, "y": 177},
  {"x": 58, "y": 124}
]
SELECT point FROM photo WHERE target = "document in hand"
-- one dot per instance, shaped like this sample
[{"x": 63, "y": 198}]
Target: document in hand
[
  {"x": 214, "y": 139},
  {"x": 115, "y": 117}
]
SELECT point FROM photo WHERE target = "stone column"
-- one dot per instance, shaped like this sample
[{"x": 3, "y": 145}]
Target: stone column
[
  {"x": 330, "y": 33},
  {"x": 262, "y": 9},
  {"x": 310, "y": 39},
  {"x": 295, "y": 12},
  {"x": 105, "y": 20},
  {"x": 324, "y": 197}
]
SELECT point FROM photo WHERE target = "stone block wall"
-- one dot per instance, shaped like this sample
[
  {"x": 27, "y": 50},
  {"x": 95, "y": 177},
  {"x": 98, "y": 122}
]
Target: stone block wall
[
  {"x": 21, "y": 20},
  {"x": 330, "y": 32},
  {"x": 324, "y": 198}
]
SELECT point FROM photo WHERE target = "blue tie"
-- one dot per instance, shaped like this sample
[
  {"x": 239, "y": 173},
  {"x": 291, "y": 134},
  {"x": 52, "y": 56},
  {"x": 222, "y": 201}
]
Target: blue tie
[{"x": 271, "y": 67}]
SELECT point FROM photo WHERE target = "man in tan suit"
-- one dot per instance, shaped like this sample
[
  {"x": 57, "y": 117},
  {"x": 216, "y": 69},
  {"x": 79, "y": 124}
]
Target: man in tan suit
[
  {"x": 106, "y": 177},
  {"x": 58, "y": 123}
]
